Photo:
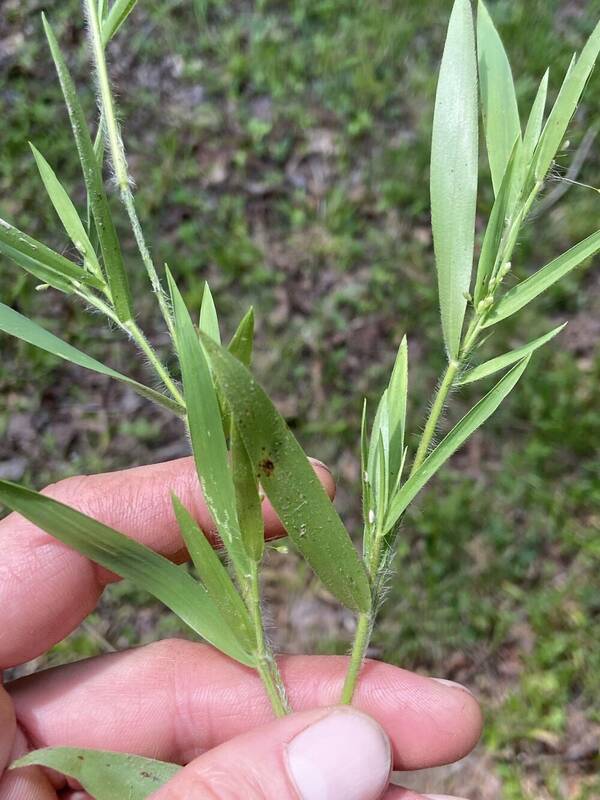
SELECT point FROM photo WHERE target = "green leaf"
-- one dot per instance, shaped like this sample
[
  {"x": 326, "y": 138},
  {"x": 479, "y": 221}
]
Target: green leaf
[
  {"x": 535, "y": 121},
  {"x": 42, "y": 262},
  {"x": 209, "y": 322},
  {"x": 215, "y": 577},
  {"x": 454, "y": 172},
  {"x": 206, "y": 432},
  {"x": 66, "y": 210},
  {"x": 103, "y": 774},
  {"x": 17, "y": 325},
  {"x": 449, "y": 445},
  {"x": 495, "y": 228},
  {"x": 397, "y": 401},
  {"x": 526, "y": 291},
  {"x": 565, "y": 105},
  {"x": 149, "y": 571},
  {"x": 290, "y": 483},
  {"x": 249, "y": 507},
  {"x": 507, "y": 359},
  {"x": 105, "y": 229},
  {"x": 117, "y": 15},
  {"x": 498, "y": 98},
  {"x": 242, "y": 342}
]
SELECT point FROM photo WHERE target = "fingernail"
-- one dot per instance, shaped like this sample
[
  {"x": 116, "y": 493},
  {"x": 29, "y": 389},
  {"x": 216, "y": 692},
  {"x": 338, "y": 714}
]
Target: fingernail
[
  {"x": 451, "y": 685},
  {"x": 345, "y": 754},
  {"x": 318, "y": 463},
  {"x": 442, "y": 797}
]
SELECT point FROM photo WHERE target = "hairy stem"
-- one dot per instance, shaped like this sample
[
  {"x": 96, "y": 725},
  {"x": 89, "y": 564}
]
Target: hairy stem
[
  {"x": 359, "y": 650},
  {"x": 435, "y": 413},
  {"x": 128, "y": 202},
  {"x": 132, "y": 329},
  {"x": 266, "y": 664}
]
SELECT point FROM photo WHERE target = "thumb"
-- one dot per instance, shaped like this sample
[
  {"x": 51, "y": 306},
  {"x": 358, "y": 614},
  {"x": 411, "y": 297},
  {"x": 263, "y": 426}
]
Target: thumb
[{"x": 326, "y": 754}]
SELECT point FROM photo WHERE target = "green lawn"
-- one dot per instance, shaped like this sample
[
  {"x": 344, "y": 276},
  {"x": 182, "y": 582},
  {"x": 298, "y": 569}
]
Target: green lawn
[{"x": 281, "y": 152}]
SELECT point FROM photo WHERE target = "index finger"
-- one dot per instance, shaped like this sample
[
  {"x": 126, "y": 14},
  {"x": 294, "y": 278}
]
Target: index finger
[{"x": 47, "y": 589}]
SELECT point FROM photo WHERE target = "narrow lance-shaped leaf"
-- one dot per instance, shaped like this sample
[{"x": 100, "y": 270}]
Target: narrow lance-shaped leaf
[
  {"x": 242, "y": 341},
  {"x": 215, "y": 577},
  {"x": 535, "y": 121},
  {"x": 21, "y": 327},
  {"x": 498, "y": 98},
  {"x": 454, "y": 172},
  {"x": 367, "y": 498},
  {"x": 103, "y": 774},
  {"x": 290, "y": 483},
  {"x": 526, "y": 291},
  {"x": 66, "y": 210},
  {"x": 450, "y": 444},
  {"x": 42, "y": 262},
  {"x": 565, "y": 105},
  {"x": 206, "y": 432},
  {"x": 495, "y": 230},
  {"x": 105, "y": 229},
  {"x": 524, "y": 156},
  {"x": 380, "y": 435},
  {"x": 507, "y": 359},
  {"x": 117, "y": 15},
  {"x": 249, "y": 507},
  {"x": 397, "y": 402},
  {"x": 209, "y": 322},
  {"x": 129, "y": 559}
]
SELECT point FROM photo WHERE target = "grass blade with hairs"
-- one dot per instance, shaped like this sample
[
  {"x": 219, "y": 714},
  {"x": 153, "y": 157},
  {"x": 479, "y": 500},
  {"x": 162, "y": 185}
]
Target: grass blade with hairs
[{"x": 129, "y": 559}]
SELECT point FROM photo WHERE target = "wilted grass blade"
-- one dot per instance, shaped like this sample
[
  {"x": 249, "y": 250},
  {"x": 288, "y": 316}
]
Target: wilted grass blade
[
  {"x": 105, "y": 229},
  {"x": 209, "y": 322},
  {"x": 42, "y": 262},
  {"x": 117, "y": 15},
  {"x": 526, "y": 291},
  {"x": 129, "y": 559},
  {"x": 206, "y": 432},
  {"x": 17, "y": 325},
  {"x": 215, "y": 577},
  {"x": 242, "y": 342},
  {"x": 495, "y": 228},
  {"x": 565, "y": 105},
  {"x": 103, "y": 774},
  {"x": 249, "y": 507},
  {"x": 498, "y": 98},
  {"x": 397, "y": 402},
  {"x": 507, "y": 359},
  {"x": 454, "y": 172},
  {"x": 290, "y": 483},
  {"x": 66, "y": 211},
  {"x": 457, "y": 436}
]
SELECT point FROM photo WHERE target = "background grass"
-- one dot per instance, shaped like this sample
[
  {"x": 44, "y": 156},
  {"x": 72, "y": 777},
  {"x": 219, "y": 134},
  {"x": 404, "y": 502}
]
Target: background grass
[{"x": 281, "y": 151}]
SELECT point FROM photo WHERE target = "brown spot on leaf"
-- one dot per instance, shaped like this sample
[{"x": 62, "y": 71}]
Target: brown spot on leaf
[{"x": 267, "y": 467}]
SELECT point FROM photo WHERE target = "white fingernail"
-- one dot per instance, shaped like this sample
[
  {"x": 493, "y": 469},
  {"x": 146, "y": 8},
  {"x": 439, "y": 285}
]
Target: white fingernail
[
  {"x": 442, "y": 797},
  {"x": 451, "y": 685},
  {"x": 345, "y": 754}
]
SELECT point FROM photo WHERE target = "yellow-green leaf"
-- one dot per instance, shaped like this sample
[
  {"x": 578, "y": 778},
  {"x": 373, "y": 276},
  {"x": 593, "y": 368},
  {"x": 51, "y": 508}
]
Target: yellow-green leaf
[
  {"x": 454, "y": 172},
  {"x": 507, "y": 359},
  {"x": 526, "y": 291},
  {"x": 498, "y": 99}
]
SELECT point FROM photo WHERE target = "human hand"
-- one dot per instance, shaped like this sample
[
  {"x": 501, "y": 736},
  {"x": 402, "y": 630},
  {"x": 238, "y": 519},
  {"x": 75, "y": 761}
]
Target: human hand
[{"x": 185, "y": 702}]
